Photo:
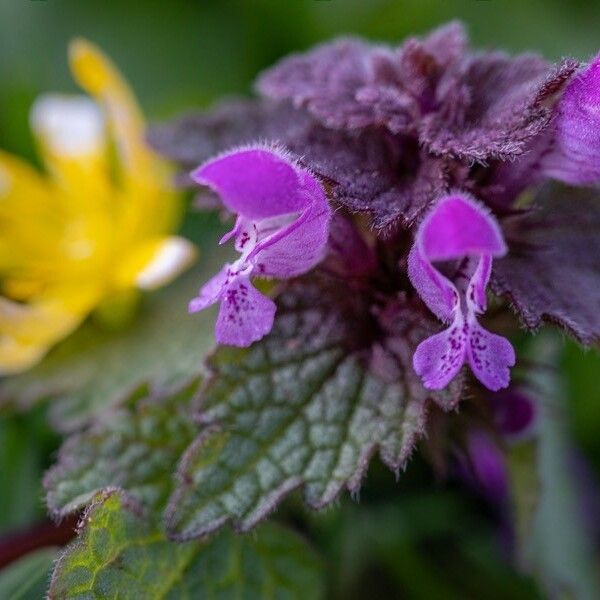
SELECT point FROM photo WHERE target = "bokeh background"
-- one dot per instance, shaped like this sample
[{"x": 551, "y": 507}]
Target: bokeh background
[{"x": 184, "y": 54}]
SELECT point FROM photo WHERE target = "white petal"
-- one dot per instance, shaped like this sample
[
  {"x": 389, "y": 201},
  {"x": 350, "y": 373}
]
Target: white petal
[
  {"x": 173, "y": 256},
  {"x": 68, "y": 125}
]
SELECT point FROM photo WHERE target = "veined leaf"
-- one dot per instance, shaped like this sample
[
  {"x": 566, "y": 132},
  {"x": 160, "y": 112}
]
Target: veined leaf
[
  {"x": 118, "y": 554},
  {"x": 307, "y": 407},
  {"x": 135, "y": 447}
]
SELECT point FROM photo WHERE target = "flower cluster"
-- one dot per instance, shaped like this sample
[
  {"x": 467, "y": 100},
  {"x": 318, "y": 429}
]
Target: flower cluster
[
  {"x": 95, "y": 228},
  {"x": 434, "y": 145}
]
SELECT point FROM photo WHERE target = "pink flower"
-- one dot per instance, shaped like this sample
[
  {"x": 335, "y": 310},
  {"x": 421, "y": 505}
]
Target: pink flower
[
  {"x": 281, "y": 231},
  {"x": 575, "y": 158},
  {"x": 458, "y": 228}
]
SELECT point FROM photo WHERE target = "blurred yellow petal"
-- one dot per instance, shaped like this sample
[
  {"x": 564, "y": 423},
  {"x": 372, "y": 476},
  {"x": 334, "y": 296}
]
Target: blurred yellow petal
[
  {"x": 88, "y": 236},
  {"x": 16, "y": 357},
  {"x": 156, "y": 262},
  {"x": 30, "y": 222},
  {"x": 24, "y": 193},
  {"x": 98, "y": 76},
  {"x": 45, "y": 320},
  {"x": 26, "y": 332},
  {"x": 145, "y": 178}
]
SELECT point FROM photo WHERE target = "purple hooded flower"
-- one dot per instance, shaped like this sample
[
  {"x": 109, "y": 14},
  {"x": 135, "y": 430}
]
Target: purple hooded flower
[
  {"x": 458, "y": 228},
  {"x": 575, "y": 158},
  {"x": 281, "y": 231}
]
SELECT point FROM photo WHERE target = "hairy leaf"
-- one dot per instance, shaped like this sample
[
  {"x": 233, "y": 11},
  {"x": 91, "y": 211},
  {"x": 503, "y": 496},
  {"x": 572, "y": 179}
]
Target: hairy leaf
[
  {"x": 195, "y": 137},
  {"x": 552, "y": 272},
  {"x": 494, "y": 106},
  {"x": 307, "y": 407},
  {"x": 118, "y": 554},
  {"x": 349, "y": 83},
  {"x": 95, "y": 367},
  {"x": 365, "y": 171},
  {"x": 135, "y": 447},
  {"x": 467, "y": 105}
]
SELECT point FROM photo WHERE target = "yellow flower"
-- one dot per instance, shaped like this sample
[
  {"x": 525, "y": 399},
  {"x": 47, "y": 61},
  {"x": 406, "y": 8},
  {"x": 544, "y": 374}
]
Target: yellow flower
[{"x": 93, "y": 230}]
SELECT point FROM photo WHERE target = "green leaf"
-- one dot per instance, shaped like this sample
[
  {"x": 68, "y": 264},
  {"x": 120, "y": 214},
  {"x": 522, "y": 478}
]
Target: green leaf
[
  {"x": 581, "y": 368},
  {"x": 26, "y": 442},
  {"x": 522, "y": 463},
  {"x": 135, "y": 447},
  {"x": 27, "y": 578},
  {"x": 118, "y": 554},
  {"x": 301, "y": 409},
  {"x": 559, "y": 549},
  {"x": 95, "y": 367}
]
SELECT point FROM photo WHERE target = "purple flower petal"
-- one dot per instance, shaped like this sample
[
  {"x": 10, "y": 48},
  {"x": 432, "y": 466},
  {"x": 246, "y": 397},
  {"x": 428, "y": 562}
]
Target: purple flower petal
[
  {"x": 435, "y": 290},
  {"x": 245, "y": 315},
  {"x": 297, "y": 248},
  {"x": 490, "y": 357},
  {"x": 476, "y": 295},
  {"x": 459, "y": 226},
  {"x": 281, "y": 231},
  {"x": 438, "y": 359},
  {"x": 256, "y": 183},
  {"x": 514, "y": 412},
  {"x": 488, "y": 466},
  {"x": 576, "y": 156},
  {"x": 210, "y": 292}
]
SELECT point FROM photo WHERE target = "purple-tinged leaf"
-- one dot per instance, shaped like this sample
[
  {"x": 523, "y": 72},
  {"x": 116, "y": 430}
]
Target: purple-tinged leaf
[
  {"x": 552, "y": 271},
  {"x": 351, "y": 84},
  {"x": 196, "y": 137},
  {"x": 366, "y": 171},
  {"x": 494, "y": 107}
]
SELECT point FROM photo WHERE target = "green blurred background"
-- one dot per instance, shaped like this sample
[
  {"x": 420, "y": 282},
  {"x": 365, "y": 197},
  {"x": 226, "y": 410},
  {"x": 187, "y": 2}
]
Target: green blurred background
[{"x": 182, "y": 54}]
